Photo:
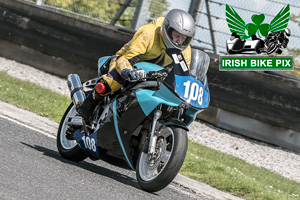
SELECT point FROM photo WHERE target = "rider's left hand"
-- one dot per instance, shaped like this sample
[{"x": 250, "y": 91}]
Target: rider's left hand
[{"x": 133, "y": 74}]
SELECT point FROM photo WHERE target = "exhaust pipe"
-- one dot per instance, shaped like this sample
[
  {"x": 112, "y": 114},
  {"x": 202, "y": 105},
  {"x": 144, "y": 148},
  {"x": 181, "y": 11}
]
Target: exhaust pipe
[{"x": 76, "y": 90}]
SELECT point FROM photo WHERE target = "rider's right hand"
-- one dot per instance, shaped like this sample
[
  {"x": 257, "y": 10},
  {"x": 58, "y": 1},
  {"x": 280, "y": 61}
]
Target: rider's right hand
[{"x": 133, "y": 74}]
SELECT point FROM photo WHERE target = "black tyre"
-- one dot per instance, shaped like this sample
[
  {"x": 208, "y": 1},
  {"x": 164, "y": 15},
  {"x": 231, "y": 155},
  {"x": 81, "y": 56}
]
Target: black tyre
[
  {"x": 68, "y": 149},
  {"x": 155, "y": 173},
  {"x": 279, "y": 51},
  {"x": 271, "y": 48}
]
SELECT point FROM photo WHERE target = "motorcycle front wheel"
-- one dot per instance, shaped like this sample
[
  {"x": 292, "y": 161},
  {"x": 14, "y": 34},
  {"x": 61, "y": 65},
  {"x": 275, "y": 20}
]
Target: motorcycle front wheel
[
  {"x": 272, "y": 48},
  {"x": 68, "y": 149},
  {"x": 155, "y": 172}
]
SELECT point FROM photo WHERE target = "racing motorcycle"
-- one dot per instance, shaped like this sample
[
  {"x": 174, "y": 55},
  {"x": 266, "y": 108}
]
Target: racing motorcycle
[
  {"x": 145, "y": 123},
  {"x": 276, "y": 41}
]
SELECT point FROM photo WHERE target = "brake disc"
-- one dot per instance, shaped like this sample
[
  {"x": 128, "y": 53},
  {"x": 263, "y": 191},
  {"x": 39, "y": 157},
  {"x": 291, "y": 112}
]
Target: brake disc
[{"x": 155, "y": 160}]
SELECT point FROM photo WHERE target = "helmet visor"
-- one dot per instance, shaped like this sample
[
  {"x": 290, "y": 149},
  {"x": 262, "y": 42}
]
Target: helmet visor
[{"x": 179, "y": 40}]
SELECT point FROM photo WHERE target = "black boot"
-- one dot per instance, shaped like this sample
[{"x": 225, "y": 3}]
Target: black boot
[
  {"x": 89, "y": 104},
  {"x": 70, "y": 133}
]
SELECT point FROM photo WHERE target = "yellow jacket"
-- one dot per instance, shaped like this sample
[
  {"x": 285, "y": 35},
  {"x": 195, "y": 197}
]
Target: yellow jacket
[{"x": 147, "y": 45}]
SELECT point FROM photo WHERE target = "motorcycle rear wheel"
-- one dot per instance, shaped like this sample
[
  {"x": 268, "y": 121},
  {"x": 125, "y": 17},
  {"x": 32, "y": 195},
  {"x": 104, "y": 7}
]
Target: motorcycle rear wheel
[
  {"x": 68, "y": 149},
  {"x": 155, "y": 174}
]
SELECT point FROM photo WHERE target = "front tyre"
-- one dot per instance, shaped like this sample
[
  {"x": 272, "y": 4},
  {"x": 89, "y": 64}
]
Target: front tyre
[
  {"x": 157, "y": 171},
  {"x": 68, "y": 149}
]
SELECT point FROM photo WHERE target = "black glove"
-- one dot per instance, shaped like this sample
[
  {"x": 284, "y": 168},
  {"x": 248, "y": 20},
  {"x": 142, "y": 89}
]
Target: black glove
[{"x": 133, "y": 74}]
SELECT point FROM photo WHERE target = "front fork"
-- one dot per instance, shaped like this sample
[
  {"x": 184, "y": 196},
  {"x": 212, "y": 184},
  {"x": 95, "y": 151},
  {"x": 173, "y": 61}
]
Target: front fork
[
  {"x": 153, "y": 137},
  {"x": 157, "y": 115}
]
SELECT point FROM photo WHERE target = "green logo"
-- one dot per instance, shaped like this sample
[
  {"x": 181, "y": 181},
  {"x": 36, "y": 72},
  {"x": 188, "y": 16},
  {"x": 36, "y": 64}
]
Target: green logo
[
  {"x": 276, "y": 38},
  {"x": 256, "y": 63},
  {"x": 237, "y": 25}
]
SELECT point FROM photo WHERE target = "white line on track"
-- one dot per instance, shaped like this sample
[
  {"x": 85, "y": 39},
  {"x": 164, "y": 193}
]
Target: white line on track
[
  {"x": 197, "y": 188},
  {"x": 27, "y": 126}
]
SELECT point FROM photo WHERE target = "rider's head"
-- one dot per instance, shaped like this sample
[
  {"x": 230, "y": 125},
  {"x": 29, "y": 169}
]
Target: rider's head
[
  {"x": 178, "y": 29},
  {"x": 287, "y": 32}
]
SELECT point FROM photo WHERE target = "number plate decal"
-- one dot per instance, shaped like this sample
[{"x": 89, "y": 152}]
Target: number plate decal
[
  {"x": 87, "y": 143},
  {"x": 192, "y": 91}
]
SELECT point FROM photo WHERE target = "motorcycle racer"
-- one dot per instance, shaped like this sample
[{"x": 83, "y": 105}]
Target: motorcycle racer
[
  {"x": 281, "y": 39},
  {"x": 148, "y": 44}
]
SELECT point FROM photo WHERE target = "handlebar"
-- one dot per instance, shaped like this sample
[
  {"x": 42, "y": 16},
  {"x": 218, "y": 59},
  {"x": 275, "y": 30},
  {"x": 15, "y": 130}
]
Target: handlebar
[
  {"x": 156, "y": 75},
  {"x": 161, "y": 74},
  {"x": 152, "y": 81}
]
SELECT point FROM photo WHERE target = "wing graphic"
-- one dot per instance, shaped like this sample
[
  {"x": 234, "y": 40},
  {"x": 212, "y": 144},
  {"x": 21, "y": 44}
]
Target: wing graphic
[
  {"x": 280, "y": 21},
  {"x": 235, "y": 22}
]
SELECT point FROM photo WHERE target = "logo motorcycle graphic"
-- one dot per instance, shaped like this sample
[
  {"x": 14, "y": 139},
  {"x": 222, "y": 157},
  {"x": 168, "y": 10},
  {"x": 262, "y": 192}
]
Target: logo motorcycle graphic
[{"x": 276, "y": 34}]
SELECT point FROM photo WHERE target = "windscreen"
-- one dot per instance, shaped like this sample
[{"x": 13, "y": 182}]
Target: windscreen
[{"x": 199, "y": 64}]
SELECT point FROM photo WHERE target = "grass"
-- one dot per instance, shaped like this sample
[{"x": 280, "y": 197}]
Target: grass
[
  {"x": 32, "y": 97},
  {"x": 295, "y": 72},
  {"x": 235, "y": 176},
  {"x": 217, "y": 169}
]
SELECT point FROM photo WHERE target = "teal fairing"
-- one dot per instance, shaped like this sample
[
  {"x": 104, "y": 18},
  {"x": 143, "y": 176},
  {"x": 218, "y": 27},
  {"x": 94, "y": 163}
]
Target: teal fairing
[
  {"x": 101, "y": 65},
  {"x": 123, "y": 145},
  {"x": 181, "y": 85},
  {"x": 149, "y": 99}
]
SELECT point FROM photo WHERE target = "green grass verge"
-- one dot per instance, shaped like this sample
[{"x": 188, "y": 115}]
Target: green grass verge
[
  {"x": 217, "y": 169},
  {"x": 32, "y": 97},
  {"x": 235, "y": 176}
]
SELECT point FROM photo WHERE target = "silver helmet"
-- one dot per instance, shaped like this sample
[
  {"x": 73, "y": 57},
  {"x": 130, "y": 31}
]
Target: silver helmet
[{"x": 183, "y": 23}]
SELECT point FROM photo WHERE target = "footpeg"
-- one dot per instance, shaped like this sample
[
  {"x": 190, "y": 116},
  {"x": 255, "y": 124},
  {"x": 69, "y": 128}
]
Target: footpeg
[{"x": 75, "y": 121}]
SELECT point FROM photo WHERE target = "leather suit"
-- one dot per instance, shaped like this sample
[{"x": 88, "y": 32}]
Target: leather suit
[{"x": 146, "y": 46}]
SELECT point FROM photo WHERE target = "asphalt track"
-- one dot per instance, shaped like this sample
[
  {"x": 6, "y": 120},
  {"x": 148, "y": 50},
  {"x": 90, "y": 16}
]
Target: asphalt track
[{"x": 31, "y": 168}]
